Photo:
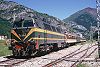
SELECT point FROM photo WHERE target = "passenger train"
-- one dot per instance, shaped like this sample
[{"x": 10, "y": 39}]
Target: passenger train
[{"x": 31, "y": 36}]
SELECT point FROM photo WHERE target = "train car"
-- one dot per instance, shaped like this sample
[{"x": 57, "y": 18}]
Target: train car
[
  {"x": 31, "y": 36},
  {"x": 70, "y": 38}
]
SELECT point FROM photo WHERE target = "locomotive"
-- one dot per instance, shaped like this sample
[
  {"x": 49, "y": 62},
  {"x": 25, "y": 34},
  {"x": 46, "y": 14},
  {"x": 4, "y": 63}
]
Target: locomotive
[{"x": 30, "y": 36}]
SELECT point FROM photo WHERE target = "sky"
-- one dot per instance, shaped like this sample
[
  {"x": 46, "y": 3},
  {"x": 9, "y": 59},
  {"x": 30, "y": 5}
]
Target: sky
[{"x": 57, "y": 8}]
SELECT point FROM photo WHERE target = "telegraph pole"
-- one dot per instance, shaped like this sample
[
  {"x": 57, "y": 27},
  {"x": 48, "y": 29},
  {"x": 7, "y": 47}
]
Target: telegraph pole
[
  {"x": 91, "y": 32},
  {"x": 98, "y": 23}
]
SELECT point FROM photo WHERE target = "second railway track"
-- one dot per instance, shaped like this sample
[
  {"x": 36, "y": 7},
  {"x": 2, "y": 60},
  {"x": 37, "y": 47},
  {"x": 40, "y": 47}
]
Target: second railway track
[
  {"x": 80, "y": 60},
  {"x": 54, "y": 63}
]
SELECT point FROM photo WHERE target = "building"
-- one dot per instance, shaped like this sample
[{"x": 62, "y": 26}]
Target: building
[{"x": 2, "y": 37}]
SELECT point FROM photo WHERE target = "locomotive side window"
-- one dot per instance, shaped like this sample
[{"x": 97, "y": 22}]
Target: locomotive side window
[
  {"x": 28, "y": 23},
  {"x": 17, "y": 24},
  {"x": 47, "y": 27},
  {"x": 53, "y": 28}
]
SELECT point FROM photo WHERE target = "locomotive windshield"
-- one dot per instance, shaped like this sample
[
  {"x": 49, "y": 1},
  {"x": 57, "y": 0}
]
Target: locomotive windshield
[
  {"x": 25, "y": 23},
  {"x": 28, "y": 23},
  {"x": 17, "y": 24}
]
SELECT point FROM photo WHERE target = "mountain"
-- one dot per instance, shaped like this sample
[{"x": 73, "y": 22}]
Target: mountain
[
  {"x": 9, "y": 8},
  {"x": 84, "y": 17},
  {"x": 82, "y": 20},
  {"x": 11, "y": 11}
]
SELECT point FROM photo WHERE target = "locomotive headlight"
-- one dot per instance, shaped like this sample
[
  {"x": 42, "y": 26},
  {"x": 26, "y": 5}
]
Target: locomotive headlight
[{"x": 13, "y": 42}]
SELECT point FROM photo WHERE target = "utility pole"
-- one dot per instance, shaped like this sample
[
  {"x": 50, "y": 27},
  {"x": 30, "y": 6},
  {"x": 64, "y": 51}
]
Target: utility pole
[
  {"x": 98, "y": 23},
  {"x": 91, "y": 32}
]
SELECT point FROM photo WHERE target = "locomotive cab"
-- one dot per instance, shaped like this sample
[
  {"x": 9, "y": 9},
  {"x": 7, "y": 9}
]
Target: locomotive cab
[{"x": 20, "y": 34}]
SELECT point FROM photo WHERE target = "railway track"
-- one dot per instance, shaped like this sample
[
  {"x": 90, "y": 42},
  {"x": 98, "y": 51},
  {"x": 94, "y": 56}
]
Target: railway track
[
  {"x": 11, "y": 62},
  {"x": 68, "y": 56},
  {"x": 79, "y": 61}
]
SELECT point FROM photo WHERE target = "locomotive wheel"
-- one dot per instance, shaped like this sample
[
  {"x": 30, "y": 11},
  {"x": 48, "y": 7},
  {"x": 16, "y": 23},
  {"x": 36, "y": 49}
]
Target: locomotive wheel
[
  {"x": 55, "y": 47},
  {"x": 22, "y": 53},
  {"x": 14, "y": 52},
  {"x": 34, "y": 53},
  {"x": 47, "y": 49},
  {"x": 30, "y": 53}
]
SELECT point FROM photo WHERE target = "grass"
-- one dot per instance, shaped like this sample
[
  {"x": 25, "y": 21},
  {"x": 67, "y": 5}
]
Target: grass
[
  {"x": 81, "y": 65},
  {"x": 4, "y": 48}
]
